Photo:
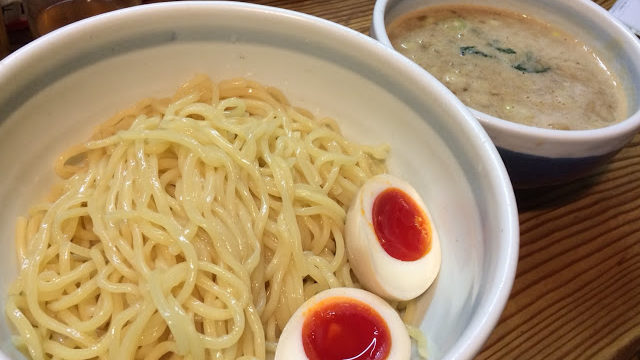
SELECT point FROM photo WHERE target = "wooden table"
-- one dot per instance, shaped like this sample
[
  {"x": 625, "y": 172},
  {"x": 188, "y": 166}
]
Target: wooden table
[{"x": 577, "y": 288}]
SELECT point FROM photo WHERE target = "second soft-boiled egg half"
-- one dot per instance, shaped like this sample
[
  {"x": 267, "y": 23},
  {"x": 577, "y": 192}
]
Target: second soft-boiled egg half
[
  {"x": 344, "y": 323},
  {"x": 392, "y": 245}
]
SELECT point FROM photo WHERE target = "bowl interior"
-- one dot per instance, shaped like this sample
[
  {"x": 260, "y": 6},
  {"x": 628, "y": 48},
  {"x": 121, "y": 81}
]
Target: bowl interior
[{"x": 330, "y": 70}]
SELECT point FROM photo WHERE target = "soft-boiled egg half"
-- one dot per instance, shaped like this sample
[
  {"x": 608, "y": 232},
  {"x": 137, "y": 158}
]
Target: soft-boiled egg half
[
  {"x": 392, "y": 245},
  {"x": 344, "y": 323}
]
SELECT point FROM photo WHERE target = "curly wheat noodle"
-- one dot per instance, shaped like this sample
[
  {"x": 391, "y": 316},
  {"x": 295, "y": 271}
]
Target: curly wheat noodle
[{"x": 190, "y": 227}]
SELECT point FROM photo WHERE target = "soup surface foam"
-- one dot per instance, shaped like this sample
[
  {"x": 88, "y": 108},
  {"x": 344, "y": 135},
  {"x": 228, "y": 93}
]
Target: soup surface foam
[{"x": 512, "y": 66}]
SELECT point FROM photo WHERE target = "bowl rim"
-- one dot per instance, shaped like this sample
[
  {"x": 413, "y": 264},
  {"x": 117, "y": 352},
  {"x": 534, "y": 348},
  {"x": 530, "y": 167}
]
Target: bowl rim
[
  {"x": 505, "y": 128},
  {"x": 499, "y": 283}
]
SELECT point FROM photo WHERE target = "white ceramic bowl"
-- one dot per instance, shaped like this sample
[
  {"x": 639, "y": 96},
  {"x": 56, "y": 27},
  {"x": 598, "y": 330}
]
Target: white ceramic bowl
[
  {"x": 58, "y": 87},
  {"x": 535, "y": 156}
]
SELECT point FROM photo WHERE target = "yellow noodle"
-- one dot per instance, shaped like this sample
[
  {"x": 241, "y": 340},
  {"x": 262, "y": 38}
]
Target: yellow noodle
[
  {"x": 418, "y": 336},
  {"x": 189, "y": 227}
]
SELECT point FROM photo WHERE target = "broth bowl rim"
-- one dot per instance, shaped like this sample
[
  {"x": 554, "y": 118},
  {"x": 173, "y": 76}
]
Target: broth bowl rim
[{"x": 589, "y": 142}]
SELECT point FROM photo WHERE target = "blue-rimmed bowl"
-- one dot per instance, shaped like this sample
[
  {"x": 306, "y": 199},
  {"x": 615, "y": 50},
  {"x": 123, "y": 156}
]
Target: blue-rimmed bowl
[{"x": 536, "y": 156}]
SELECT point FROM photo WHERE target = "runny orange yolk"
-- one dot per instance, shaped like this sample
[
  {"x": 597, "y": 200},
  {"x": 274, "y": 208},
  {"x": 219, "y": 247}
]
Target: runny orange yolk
[
  {"x": 344, "y": 328},
  {"x": 401, "y": 226}
]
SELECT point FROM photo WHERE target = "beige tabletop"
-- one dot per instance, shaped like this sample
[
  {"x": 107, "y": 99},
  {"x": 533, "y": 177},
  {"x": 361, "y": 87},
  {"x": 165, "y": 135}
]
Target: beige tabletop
[{"x": 577, "y": 288}]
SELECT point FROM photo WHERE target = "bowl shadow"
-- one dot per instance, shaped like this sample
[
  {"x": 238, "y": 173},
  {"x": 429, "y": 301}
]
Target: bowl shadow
[{"x": 553, "y": 196}]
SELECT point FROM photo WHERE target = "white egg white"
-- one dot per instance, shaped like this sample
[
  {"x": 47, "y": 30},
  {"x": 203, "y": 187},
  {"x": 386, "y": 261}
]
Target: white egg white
[
  {"x": 290, "y": 343},
  {"x": 376, "y": 270}
]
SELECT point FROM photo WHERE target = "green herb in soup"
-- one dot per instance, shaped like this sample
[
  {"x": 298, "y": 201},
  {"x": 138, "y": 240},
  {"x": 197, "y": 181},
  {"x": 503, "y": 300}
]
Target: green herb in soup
[
  {"x": 496, "y": 45},
  {"x": 530, "y": 64},
  {"x": 512, "y": 66},
  {"x": 465, "y": 50}
]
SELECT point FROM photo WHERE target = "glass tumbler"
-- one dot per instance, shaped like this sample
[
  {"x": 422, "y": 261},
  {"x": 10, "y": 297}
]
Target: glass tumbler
[{"x": 47, "y": 15}]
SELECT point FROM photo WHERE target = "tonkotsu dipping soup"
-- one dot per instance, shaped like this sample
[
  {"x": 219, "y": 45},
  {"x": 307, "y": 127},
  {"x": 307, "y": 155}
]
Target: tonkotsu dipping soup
[{"x": 512, "y": 66}]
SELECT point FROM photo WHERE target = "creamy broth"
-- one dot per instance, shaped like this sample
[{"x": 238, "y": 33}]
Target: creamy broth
[{"x": 511, "y": 66}]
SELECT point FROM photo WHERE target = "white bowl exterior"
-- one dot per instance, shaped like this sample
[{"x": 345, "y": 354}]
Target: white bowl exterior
[
  {"x": 108, "y": 64},
  {"x": 584, "y": 19}
]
